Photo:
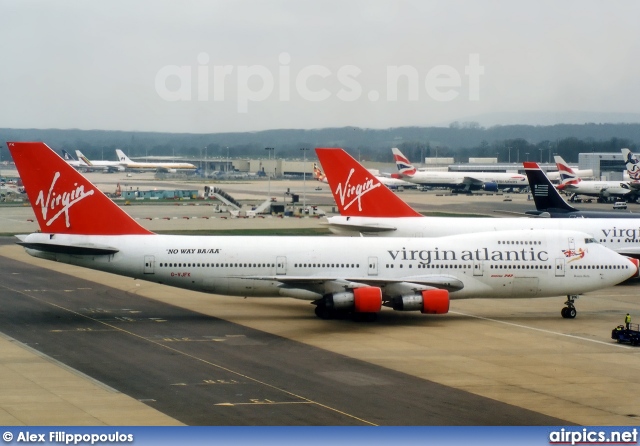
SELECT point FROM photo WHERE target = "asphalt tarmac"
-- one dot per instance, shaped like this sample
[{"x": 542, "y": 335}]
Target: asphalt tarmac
[{"x": 202, "y": 370}]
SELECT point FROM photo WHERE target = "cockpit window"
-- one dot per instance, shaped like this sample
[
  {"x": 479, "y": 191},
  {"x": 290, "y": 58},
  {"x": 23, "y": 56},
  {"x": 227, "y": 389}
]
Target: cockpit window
[{"x": 590, "y": 240}]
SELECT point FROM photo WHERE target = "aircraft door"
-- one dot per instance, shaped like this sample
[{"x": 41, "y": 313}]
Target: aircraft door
[
  {"x": 149, "y": 262},
  {"x": 373, "y": 266},
  {"x": 572, "y": 243},
  {"x": 281, "y": 265},
  {"x": 560, "y": 267},
  {"x": 478, "y": 269}
]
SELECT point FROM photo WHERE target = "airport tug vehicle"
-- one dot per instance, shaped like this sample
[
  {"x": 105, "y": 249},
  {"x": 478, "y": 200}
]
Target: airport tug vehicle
[{"x": 630, "y": 335}]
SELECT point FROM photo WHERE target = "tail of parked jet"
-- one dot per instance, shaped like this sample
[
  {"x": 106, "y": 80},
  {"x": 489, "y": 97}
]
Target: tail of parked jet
[
  {"x": 63, "y": 200},
  {"x": 632, "y": 164},
  {"x": 357, "y": 192},
  {"x": 122, "y": 157},
  {"x": 318, "y": 175},
  {"x": 405, "y": 168},
  {"x": 67, "y": 156},
  {"x": 567, "y": 175},
  {"x": 83, "y": 158},
  {"x": 545, "y": 195}
]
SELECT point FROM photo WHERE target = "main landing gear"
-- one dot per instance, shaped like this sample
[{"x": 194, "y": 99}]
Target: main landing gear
[
  {"x": 323, "y": 312},
  {"x": 569, "y": 312}
]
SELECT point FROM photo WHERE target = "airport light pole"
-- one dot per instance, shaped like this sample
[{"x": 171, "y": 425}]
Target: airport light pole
[
  {"x": 205, "y": 160},
  {"x": 304, "y": 179},
  {"x": 526, "y": 154},
  {"x": 509, "y": 154},
  {"x": 270, "y": 149}
]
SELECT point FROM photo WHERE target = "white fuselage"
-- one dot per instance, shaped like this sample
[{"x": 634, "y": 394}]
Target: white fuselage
[
  {"x": 620, "y": 235},
  {"x": 598, "y": 188},
  {"x": 455, "y": 179},
  {"x": 506, "y": 264}
]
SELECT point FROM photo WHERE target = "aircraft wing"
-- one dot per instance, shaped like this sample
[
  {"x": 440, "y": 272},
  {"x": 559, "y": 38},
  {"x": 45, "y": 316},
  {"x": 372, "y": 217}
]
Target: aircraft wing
[
  {"x": 629, "y": 251},
  {"x": 331, "y": 284},
  {"x": 472, "y": 181},
  {"x": 529, "y": 214}
]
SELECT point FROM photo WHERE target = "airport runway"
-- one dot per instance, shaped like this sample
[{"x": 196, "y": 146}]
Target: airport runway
[{"x": 203, "y": 370}]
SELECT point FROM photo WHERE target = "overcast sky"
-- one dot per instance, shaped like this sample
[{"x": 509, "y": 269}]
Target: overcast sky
[{"x": 156, "y": 65}]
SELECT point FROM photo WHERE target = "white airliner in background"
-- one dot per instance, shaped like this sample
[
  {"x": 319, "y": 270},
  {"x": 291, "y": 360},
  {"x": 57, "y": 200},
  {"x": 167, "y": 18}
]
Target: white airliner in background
[
  {"x": 460, "y": 181},
  {"x": 391, "y": 183},
  {"x": 571, "y": 183},
  {"x": 75, "y": 163},
  {"x": 368, "y": 209},
  {"x": 81, "y": 226},
  {"x": 143, "y": 166},
  {"x": 107, "y": 166}
]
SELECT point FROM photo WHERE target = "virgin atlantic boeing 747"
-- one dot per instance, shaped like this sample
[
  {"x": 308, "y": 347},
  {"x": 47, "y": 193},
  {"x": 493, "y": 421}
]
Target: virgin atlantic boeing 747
[{"x": 81, "y": 226}]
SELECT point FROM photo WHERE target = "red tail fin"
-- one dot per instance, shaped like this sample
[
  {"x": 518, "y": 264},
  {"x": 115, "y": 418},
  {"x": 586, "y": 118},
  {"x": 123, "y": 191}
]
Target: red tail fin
[
  {"x": 63, "y": 200},
  {"x": 357, "y": 192}
]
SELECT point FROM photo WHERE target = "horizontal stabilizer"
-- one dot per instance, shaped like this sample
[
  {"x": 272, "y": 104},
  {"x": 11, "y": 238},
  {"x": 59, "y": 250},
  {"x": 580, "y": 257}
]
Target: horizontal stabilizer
[
  {"x": 364, "y": 228},
  {"x": 80, "y": 250}
]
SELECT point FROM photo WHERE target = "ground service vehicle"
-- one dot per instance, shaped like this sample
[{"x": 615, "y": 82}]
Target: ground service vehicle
[{"x": 630, "y": 335}]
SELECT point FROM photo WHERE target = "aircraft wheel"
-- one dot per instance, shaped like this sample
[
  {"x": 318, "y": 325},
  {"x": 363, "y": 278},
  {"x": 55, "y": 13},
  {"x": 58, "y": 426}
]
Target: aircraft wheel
[
  {"x": 365, "y": 317},
  {"x": 563, "y": 312},
  {"x": 571, "y": 313}
]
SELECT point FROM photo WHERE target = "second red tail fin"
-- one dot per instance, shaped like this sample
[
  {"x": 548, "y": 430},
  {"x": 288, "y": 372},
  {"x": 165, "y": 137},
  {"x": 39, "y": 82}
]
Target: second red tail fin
[
  {"x": 63, "y": 200},
  {"x": 357, "y": 192}
]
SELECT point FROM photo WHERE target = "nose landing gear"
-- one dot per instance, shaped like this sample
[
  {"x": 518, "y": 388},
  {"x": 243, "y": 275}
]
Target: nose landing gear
[{"x": 569, "y": 312}]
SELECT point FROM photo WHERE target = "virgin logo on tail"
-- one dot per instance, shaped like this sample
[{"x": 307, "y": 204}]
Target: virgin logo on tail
[
  {"x": 357, "y": 184},
  {"x": 54, "y": 188},
  {"x": 348, "y": 190},
  {"x": 60, "y": 202}
]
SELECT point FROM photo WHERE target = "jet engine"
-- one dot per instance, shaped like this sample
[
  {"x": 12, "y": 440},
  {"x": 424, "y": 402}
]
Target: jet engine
[
  {"x": 427, "y": 301},
  {"x": 490, "y": 186},
  {"x": 636, "y": 262},
  {"x": 360, "y": 300}
]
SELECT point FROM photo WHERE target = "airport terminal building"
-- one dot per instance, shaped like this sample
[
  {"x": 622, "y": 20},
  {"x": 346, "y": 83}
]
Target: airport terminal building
[{"x": 607, "y": 166}]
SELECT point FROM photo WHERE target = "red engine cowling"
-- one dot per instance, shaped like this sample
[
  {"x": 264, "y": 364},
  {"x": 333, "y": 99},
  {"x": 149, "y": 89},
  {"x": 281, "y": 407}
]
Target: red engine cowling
[
  {"x": 636, "y": 262},
  {"x": 367, "y": 299},
  {"x": 435, "y": 302}
]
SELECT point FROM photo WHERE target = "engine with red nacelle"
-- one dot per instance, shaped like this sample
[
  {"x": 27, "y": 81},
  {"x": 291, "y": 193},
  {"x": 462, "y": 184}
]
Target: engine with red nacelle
[{"x": 434, "y": 301}]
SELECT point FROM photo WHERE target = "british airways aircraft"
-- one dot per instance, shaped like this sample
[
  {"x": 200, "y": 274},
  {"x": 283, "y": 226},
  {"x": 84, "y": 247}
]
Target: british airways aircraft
[
  {"x": 571, "y": 182},
  {"x": 81, "y": 226},
  {"x": 459, "y": 181}
]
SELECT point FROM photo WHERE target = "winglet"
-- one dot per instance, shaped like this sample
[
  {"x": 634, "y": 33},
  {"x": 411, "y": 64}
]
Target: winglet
[
  {"x": 357, "y": 192},
  {"x": 63, "y": 200},
  {"x": 545, "y": 195}
]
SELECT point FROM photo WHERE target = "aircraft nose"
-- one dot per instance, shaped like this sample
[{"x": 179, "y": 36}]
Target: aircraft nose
[{"x": 635, "y": 267}]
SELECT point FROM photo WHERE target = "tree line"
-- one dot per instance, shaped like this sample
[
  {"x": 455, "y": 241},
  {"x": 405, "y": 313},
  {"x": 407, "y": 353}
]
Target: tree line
[{"x": 515, "y": 143}]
